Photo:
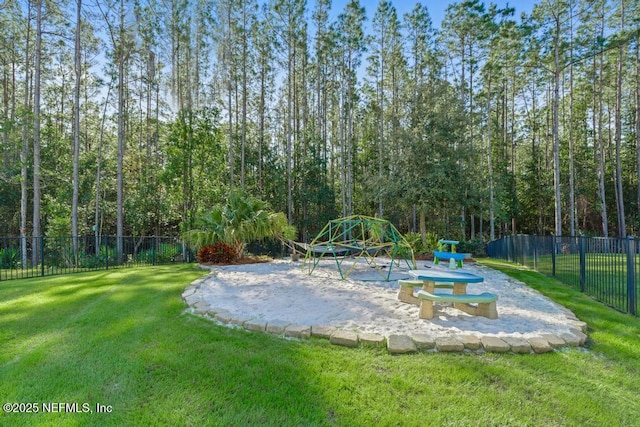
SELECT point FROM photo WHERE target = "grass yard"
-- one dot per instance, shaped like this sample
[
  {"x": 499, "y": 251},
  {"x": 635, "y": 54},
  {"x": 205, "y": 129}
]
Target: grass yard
[
  {"x": 120, "y": 339},
  {"x": 607, "y": 267},
  {"x": 605, "y": 275}
]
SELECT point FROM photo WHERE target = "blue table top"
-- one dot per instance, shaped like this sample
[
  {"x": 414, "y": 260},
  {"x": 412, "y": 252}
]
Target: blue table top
[
  {"x": 446, "y": 276},
  {"x": 449, "y": 242}
]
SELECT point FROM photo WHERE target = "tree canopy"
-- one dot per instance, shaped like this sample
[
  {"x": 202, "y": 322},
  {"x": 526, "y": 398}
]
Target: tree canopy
[{"x": 136, "y": 118}]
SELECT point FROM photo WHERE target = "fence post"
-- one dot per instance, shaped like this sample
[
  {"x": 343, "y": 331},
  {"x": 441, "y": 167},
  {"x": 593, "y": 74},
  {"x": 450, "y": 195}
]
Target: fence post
[
  {"x": 583, "y": 268},
  {"x": 631, "y": 275},
  {"x": 510, "y": 245},
  {"x": 535, "y": 251},
  {"x": 184, "y": 252},
  {"x": 106, "y": 251},
  {"x": 153, "y": 250},
  {"x": 553, "y": 255},
  {"x": 42, "y": 255}
]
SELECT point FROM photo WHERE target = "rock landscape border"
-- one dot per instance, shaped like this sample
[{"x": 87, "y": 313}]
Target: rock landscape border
[{"x": 394, "y": 343}]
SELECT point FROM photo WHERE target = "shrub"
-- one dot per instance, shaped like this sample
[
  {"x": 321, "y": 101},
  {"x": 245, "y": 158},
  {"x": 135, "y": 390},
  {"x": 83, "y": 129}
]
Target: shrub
[
  {"x": 89, "y": 261},
  {"x": 218, "y": 253},
  {"x": 475, "y": 247},
  {"x": 9, "y": 258},
  {"x": 168, "y": 252},
  {"x": 164, "y": 254},
  {"x": 415, "y": 241},
  {"x": 241, "y": 219}
]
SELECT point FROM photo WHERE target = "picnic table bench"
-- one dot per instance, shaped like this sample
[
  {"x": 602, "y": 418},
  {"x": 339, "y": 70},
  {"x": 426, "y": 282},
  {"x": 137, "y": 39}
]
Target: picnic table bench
[
  {"x": 457, "y": 280},
  {"x": 486, "y": 303},
  {"x": 406, "y": 287}
]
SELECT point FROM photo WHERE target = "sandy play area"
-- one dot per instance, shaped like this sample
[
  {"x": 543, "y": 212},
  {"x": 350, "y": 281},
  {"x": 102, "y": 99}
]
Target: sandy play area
[{"x": 283, "y": 291}]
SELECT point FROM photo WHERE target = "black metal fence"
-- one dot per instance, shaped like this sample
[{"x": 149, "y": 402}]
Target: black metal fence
[
  {"x": 604, "y": 268},
  {"x": 273, "y": 248},
  {"x": 45, "y": 256}
]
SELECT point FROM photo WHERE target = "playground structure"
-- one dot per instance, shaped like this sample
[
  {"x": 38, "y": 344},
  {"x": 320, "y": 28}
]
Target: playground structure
[{"x": 359, "y": 237}]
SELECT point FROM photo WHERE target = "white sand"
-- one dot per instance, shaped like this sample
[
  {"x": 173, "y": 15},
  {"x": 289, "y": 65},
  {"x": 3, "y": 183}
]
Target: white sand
[{"x": 364, "y": 303}]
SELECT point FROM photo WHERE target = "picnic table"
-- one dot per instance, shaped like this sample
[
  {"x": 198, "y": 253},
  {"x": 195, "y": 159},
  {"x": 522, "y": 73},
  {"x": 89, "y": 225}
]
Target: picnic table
[
  {"x": 449, "y": 255},
  {"x": 458, "y": 281}
]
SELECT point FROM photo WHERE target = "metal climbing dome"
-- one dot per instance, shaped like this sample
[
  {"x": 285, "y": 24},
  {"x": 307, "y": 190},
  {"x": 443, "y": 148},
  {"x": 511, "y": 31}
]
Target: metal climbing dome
[{"x": 360, "y": 237}]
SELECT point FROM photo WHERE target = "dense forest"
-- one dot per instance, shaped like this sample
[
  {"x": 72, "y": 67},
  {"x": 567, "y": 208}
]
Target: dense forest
[{"x": 136, "y": 117}]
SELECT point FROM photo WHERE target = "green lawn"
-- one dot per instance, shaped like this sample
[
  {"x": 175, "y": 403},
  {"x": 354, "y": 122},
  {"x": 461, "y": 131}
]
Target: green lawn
[
  {"x": 605, "y": 275},
  {"x": 120, "y": 338}
]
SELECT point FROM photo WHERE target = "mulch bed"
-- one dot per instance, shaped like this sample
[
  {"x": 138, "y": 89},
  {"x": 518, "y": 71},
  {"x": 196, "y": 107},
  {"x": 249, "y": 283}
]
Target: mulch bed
[{"x": 242, "y": 261}]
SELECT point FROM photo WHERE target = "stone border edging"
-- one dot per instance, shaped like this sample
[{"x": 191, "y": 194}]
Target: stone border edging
[{"x": 395, "y": 344}]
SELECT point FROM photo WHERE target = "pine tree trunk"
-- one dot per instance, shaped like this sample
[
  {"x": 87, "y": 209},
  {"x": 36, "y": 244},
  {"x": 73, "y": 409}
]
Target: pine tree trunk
[
  {"x": 556, "y": 140},
  {"x": 492, "y": 220},
  {"x": 572, "y": 192},
  {"x": 601, "y": 150},
  {"x": 120, "y": 166},
  {"x": 637, "y": 118},
  {"x": 622, "y": 226},
  {"x": 76, "y": 134},
  {"x": 24, "y": 153},
  {"x": 289, "y": 130},
  {"x": 381, "y": 147},
  {"x": 96, "y": 221},
  {"x": 37, "y": 232},
  {"x": 229, "y": 65},
  {"x": 244, "y": 96}
]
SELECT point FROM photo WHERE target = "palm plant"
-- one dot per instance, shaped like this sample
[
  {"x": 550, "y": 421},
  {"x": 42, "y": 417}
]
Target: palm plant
[{"x": 241, "y": 219}]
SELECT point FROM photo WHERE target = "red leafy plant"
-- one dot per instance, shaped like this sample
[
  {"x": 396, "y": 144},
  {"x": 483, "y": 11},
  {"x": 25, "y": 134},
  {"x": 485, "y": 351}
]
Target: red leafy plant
[{"x": 218, "y": 253}]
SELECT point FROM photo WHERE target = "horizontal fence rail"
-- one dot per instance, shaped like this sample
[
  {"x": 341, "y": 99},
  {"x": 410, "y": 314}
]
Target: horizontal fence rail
[
  {"x": 603, "y": 268},
  {"x": 47, "y": 256}
]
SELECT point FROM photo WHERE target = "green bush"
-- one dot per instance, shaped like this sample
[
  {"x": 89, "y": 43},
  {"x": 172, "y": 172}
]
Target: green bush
[
  {"x": 165, "y": 253},
  {"x": 415, "y": 241},
  {"x": 218, "y": 253},
  {"x": 89, "y": 261},
  {"x": 475, "y": 247},
  {"x": 9, "y": 258},
  {"x": 105, "y": 252}
]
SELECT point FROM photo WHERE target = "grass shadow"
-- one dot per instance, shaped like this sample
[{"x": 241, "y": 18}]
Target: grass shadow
[{"x": 123, "y": 339}]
